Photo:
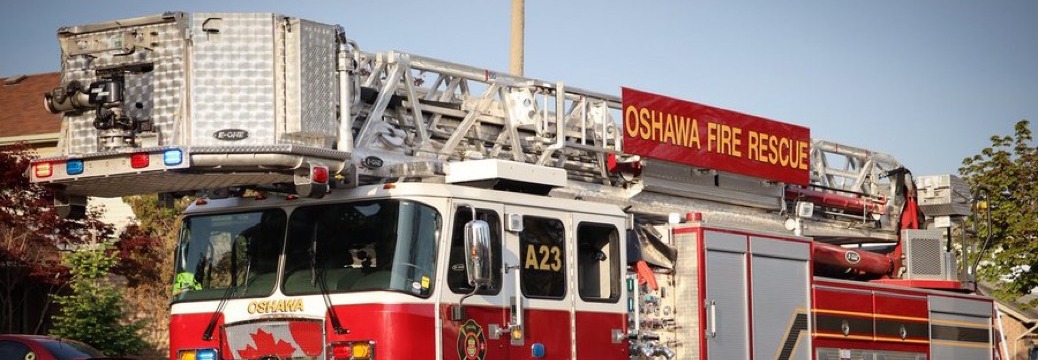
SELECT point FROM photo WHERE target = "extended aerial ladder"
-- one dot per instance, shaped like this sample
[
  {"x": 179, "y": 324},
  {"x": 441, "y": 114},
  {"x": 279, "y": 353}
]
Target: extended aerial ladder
[
  {"x": 467, "y": 113},
  {"x": 394, "y": 116},
  {"x": 417, "y": 113}
]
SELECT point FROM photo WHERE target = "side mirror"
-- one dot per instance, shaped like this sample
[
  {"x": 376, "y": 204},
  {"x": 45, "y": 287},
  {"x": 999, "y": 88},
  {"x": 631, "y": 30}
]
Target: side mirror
[{"x": 478, "y": 262}]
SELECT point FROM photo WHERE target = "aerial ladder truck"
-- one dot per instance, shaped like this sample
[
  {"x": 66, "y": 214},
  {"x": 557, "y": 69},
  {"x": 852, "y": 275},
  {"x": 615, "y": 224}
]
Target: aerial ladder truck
[{"x": 358, "y": 205}]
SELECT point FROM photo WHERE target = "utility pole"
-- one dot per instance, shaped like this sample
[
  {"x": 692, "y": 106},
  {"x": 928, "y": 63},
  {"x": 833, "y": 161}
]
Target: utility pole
[{"x": 518, "y": 29}]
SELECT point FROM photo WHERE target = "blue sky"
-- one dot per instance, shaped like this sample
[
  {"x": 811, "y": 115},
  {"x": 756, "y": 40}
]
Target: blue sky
[{"x": 928, "y": 81}]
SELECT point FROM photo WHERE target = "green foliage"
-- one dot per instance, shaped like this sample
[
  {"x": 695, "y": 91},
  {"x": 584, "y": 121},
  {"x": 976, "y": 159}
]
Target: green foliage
[
  {"x": 148, "y": 244},
  {"x": 146, "y": 248},
  {"x": 1007, "y": 174},
  {"x": 154, "y": 218},
  {"x": 93, "y": 312}
]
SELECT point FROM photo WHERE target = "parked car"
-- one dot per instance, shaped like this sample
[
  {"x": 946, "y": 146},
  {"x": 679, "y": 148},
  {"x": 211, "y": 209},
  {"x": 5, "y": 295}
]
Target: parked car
[{"x": 39, "y": 347}]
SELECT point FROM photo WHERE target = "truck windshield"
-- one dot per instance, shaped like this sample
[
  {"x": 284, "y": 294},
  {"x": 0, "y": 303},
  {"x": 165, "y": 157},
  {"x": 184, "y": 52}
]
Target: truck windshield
[
  {"x": 228, "y": 255},
  {"x": 362, "y": 246}
]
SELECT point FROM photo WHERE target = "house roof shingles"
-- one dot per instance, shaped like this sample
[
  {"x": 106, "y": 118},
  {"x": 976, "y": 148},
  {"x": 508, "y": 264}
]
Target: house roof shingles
[{"x": 21, "y": 106}]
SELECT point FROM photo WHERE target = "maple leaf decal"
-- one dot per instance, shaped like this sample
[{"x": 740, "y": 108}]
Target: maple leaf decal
[
  {"x": 266, "y": 346},
  {"x": 308, "y": 335}
]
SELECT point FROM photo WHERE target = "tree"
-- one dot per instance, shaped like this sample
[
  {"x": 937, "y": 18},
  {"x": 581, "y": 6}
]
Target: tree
[
  {"x": 1006, "y": 174},
  {"x": 32, "y": 236},
  {"x": 93, "y": 312},
  {"x": 146, "y": 249}
]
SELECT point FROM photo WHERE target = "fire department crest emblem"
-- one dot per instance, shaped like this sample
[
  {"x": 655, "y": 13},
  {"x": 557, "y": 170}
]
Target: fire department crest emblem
[{"x": 472, "y": 342}]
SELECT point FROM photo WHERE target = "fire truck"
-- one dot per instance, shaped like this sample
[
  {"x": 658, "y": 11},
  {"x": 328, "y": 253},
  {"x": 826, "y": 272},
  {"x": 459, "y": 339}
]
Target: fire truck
[{"x": 358, "y": 205}]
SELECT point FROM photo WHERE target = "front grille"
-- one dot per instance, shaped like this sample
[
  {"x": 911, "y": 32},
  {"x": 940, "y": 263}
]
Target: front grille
[{"x": 274, "y": 339}]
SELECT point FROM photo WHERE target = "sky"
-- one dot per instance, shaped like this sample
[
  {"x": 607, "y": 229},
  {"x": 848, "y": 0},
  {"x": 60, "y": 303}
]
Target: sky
[{"x": 927, "y": 81}]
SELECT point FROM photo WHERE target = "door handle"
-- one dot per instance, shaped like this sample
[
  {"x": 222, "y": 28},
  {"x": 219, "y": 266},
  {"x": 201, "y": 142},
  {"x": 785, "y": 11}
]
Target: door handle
[
  {"x": 712, "y": 331},
  {"x": 618, "y": 335}
]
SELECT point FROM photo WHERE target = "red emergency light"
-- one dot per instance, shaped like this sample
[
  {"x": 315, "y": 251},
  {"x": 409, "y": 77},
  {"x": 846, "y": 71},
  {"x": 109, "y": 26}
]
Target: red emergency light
[
  {"x": 139, "y": 160},
  {"x": 319, "y": 174},
  {"x": 43, "y": 169}
]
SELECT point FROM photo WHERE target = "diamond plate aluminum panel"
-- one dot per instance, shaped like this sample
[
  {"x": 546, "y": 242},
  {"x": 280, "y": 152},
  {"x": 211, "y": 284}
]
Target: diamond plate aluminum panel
[
  {"x": 108, "y": 174},
  {"x": 232, "y": 77},
  {"x": 311, "y": 80},
  {"x": 276, "y": 149},
  {"x": 943, "y": 195},
  {"x": 166, "y": 181},
  {"x": 157, "y": 92},
  {"x": 244, "y": 70},
  {"x": 687, "y": 312}
]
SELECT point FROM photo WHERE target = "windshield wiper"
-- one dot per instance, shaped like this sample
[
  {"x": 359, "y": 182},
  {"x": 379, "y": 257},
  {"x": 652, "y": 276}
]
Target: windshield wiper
[
  {"x": 319, "y": 280},
  {"x": 211, "y": 327},
  {"x": 231, "y": 289}
]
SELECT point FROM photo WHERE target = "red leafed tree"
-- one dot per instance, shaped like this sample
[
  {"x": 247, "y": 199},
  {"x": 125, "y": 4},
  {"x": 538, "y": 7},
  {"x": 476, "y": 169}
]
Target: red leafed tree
[{"x": 32, "y": 237}]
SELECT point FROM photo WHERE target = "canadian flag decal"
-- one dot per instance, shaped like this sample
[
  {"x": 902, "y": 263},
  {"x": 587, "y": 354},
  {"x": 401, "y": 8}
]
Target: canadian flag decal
[
  {"x": 264, "y": 344},
  {"x": 283, "y": 339}
]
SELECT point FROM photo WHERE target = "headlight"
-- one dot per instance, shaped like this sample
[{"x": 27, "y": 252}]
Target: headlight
[{"x": 197, "y": 354}]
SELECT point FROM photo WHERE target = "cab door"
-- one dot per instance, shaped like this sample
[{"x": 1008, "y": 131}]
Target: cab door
[
  {"x": 599, "y": 267},
  {"x": 539, "y": 250},
  {"x": 479, "y": 334}
]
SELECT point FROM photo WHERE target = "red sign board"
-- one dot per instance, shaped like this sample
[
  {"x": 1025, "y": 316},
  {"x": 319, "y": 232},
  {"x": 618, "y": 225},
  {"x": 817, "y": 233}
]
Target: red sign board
[{"x": 670, "y": 129}]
